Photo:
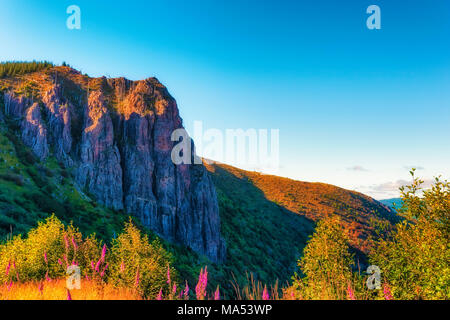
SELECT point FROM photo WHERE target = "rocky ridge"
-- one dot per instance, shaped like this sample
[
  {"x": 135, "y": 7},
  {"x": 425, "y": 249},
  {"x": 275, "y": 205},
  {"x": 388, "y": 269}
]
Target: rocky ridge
[{"x": 114, "y": 136}]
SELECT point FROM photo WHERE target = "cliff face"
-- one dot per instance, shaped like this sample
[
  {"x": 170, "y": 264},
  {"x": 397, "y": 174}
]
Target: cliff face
[{"x": 114, "y": 135}]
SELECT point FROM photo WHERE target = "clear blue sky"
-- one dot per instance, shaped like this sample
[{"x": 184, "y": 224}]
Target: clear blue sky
[{"x": 354, "y": 106}]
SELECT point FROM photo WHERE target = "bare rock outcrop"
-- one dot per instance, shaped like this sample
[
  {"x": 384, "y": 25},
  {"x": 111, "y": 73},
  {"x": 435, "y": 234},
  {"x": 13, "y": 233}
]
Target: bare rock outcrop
[{"x": 116, "y": 137}]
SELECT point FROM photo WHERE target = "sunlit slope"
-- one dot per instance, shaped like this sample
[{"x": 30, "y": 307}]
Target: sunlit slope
[{"x": 361, "y": 215}]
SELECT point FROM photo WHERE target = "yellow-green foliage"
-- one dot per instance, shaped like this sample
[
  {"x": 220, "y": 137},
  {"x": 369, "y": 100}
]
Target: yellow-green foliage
[
  {"x": 326, "y": 264},
  {"x": 132, "y": 262},
  {"x": 415, "y": 261},
  {"x": 26, "y": 257},
  {"x": 137, "y": 263}
]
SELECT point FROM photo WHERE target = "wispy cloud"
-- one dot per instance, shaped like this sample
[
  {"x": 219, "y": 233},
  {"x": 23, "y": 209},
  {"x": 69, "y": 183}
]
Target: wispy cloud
[
  {"x": 357, "y": 168},
  {"x": 390, "y": 189}
]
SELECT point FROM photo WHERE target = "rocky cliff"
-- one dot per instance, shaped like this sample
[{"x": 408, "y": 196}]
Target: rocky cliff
[{"x": 114, "y": 136}]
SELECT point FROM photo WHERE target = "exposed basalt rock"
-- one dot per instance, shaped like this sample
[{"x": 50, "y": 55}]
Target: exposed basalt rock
[
  {"x": 99, "y": 167},
  {"x": 122, "y": 154},
  {"x": 58, "y": 112},
  {"x": 34, "y": 133}
]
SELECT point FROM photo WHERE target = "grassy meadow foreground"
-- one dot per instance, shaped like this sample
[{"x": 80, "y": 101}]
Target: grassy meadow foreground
[{"x": 413, "y": 259}]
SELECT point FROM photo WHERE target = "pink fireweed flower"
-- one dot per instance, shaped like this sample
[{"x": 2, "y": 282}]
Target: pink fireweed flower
[
  {"x": 292, "y": 295},
  {"x": 103, "y": 253},
  {"x": 75, "y": 246},
  {"x": 45, "y": 257},
  {"x": 159, "y": 297},
  {"x": 69, "y": 296},
  {"x": 387, "y": 292},
  {"x": 350, "y": 293},
  {"x": 200, "y": 289},
  {"x": 174, "y": 289},
  {"x": 10, "y": 285},
  {"x": 97, "y": 265},
  {"x": 217, "y": 294},
  {"x": 87, "y": 277},
  {"x": 59, "y": 261},
  {"x": 66, "y": 242},
  {"x": 8, "y": 267},
  {"x": 65, "y": 259},
  {"x": 168, "y": 274},
  {"x": 265, "y": 295},
  {"x": 186, "y": 291},
  {"x": 136, "y": 282},
  {"x": 122, "y": 267},
  {"x": 103, "y": 271},
  {"x": 47, "y": 278}
]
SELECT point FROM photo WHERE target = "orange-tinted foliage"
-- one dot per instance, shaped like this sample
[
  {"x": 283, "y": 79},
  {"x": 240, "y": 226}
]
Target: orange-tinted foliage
[{"x": 318, "y": 200}]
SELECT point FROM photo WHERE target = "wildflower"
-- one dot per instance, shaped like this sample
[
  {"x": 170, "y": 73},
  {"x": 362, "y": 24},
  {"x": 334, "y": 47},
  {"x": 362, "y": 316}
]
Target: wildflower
[
  {"x": 103, "y": 271},
  {"x": 174, "y": 290},
  {"x": 47, "y": 278},
  {"x": 265, "y": 295},
  {"x": 350, "y": 293},
  {"x": 8, "y": 267},
  {"x": 10, "y": 285},
  {"x": 136, "y": 283},
  {"x": 59, "y": 261},
  {"x": 69, "y": 296},
  {"x": 168, "y": 274},
  {"x": 186, "y": 291},
  {"x": 92, "y": 265},
  {"x": 66, "y": 242},
  {"x": 97, "y": 266},
  {"x": 387, "y": 292},
  {"x": 217, "y": 294},
  {"x": 159, "y": 297},
  {"x": 75, "y": 246},
  {"x": 45, "y": 257},
  {"x": 103, "y": 253},
  {"x": 200, "y": 289}
]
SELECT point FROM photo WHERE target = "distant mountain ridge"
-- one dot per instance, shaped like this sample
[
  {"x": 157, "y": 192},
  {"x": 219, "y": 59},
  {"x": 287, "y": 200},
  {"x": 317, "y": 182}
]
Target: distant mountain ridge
[{"x": 393, "y": 203}]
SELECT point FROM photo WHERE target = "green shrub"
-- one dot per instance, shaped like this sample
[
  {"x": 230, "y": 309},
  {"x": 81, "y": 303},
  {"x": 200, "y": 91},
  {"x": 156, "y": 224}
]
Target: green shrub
[
  {"x": 414, "y": 261},
  {"x": 46, "y": 251},
  {"x": 133, "y": 257},
  {"x": 17, "y": 179},
  {"x": 326, "y": 264}
]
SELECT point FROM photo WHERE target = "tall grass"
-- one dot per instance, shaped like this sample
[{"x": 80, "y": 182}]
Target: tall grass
[{"x": 56, "y": 290}]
